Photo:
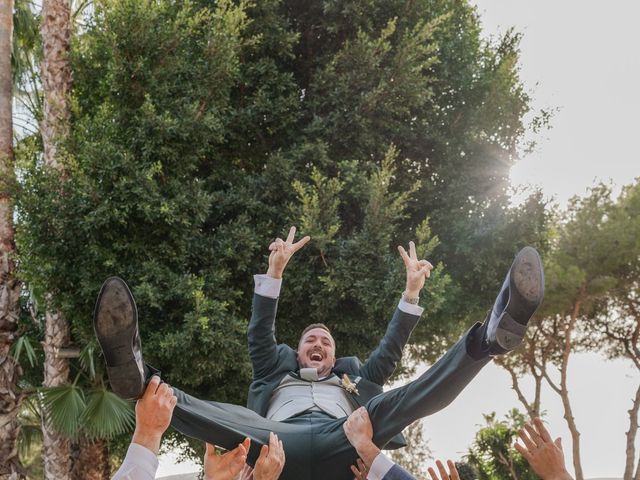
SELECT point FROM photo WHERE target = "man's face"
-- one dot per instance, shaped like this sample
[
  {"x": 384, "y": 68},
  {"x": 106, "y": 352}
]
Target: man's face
[{"x": 317, "y": 350}]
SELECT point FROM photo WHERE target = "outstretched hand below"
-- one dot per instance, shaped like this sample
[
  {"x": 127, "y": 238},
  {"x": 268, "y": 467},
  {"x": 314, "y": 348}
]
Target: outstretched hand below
[
  {"x": 226, "y": 466},
  {"x": 282, "y": 251},
  {"x": 543, "y": 454},
  {"x": 452, "y": 475}
]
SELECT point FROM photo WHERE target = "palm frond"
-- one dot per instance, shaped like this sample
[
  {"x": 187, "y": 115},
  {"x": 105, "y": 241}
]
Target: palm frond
[
  {"x": 87, "y": 360},
  {"x": 106, "y": 415},
  {"x": 64, "y": 407},
  {"x": 23, "y": 343}
]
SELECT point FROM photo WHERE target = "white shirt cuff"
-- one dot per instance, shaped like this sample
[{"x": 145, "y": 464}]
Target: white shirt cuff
[
  {"x": 267, "y": 286},
  {"x": 410, "y": 308},
  {"x": 379, "y": 467},
  {"x": 140, "y": 463}
]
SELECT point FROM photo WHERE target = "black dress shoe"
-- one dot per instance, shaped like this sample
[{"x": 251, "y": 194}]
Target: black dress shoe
[
  {"x": 115, "y": 321},
  {"x": 519, "y": 298}
]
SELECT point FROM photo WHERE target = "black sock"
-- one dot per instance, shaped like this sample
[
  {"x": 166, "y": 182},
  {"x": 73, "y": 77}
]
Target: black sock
[{"x": 477, "y": 346}]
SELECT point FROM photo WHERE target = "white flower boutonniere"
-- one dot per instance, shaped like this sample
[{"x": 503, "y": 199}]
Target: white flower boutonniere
[{"x": 349, "y": 386}]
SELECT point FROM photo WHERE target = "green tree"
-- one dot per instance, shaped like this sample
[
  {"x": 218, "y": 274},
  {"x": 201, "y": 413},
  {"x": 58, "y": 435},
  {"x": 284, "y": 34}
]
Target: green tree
[
  {"x": 615, "y": 329},
  {"x": 201, "y": 131},
  {"x": 589, "y": 279},
  {"x": 492, "y": 455}
]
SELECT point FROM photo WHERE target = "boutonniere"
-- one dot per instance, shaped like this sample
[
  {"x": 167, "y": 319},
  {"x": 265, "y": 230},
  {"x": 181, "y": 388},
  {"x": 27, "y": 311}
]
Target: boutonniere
[{"x": 348, "y": 385}]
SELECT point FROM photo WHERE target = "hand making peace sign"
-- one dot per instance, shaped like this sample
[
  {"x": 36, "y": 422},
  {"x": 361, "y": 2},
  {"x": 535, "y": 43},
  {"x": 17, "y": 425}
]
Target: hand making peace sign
[
  {"x": 417, "y": 270},
  {"x": 282, "y": 251}
]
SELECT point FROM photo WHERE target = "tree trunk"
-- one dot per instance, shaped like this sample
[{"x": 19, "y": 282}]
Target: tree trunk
[
  {"x": 564, "y": 395},
  {"x": 56, "y": 76},
  {"x": 10, "y": 467},
  {"x": 631, "y": 438},
  {"x": 92, "y": 461},
  {"x": 56, "y": 448},
  {"x": 55, "y": 30}
]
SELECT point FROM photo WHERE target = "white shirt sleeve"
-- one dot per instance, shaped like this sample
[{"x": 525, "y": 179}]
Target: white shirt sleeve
[
  {"x": 379, "y": 467},
  {"x": 140, "y": 463},
  {"x": 410, "y": 308},
  {"x": 267, "y": 286}
]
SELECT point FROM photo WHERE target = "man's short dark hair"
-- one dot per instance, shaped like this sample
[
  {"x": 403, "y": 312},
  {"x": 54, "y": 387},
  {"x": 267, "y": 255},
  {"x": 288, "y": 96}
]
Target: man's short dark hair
[{"x": 317, "y": 325}]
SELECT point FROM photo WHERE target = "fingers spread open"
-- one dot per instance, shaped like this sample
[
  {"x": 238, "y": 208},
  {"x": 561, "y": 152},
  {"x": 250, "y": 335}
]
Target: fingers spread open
[
  {"x": 301, "y": 243},
  {"x": 403, "y": 254},
  {"x": 523, "y": 451},
  {"x": 292, "y": 234},
  {"x": 432, "y": 473},
  {"x": 530, "y": 444},
  {"x": 453, "y": 471},
  {"x": 443, "y": 472},
  {"x": 542, "y": 431},
  {"x": 537, "y": 439},
  {"x": 412, "y": 251}
]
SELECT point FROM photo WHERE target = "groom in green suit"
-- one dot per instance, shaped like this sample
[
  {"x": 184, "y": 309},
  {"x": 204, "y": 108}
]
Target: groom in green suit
[{"x": 304, "y": 395}]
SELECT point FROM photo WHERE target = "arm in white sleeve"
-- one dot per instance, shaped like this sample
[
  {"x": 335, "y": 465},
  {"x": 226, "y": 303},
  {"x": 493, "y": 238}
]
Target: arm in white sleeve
[
  {"x": 267, "y": 286},
  {"x": 140, "y": 463},
  {"x": 379, "y": 467},
  {"x": 410, "y": 308}
]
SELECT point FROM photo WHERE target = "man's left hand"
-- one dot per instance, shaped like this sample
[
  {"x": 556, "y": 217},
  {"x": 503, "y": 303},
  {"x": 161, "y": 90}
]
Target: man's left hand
[{"x": 417, "y": 270}]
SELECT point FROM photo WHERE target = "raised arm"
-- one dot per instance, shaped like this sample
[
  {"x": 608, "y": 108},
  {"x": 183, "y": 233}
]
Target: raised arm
[
  {"x": 382, "y": 362},
  {"x": 261, "y": 334}
]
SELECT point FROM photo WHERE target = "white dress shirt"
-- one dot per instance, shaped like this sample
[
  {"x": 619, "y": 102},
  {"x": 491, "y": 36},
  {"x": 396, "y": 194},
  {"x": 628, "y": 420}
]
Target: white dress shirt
[
  {"x": 140, "y": 463},
  {"x": 379, "y": 467},
  {"x": 269, "y": 287}
]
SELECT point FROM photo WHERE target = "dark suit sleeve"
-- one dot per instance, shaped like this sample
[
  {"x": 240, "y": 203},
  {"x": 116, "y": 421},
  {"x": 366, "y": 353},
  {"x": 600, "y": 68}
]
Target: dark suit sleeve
[
  {"x": 382, "y": 362},
  {"x": 398, "y": 473},
  {"x": 261, "y": 336}
]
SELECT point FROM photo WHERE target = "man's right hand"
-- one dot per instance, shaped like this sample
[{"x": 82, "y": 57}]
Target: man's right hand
[
  {"x": 282, "y": 251},
  {"x": 153, "y": 414},
  {"x": 359, "y": 431}
]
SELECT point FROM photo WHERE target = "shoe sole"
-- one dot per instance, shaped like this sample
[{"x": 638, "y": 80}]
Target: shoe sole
[
  {"x": 526, "y": 289},
  {"x": 116, "y": 335}
]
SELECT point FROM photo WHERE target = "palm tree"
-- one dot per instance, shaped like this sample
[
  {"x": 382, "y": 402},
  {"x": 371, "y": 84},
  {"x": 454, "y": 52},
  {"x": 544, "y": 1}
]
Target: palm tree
[
  {"x": 88, "y": 417},
  {"x": 55, "y": 30},
  {"x": 84, "y": 412},
  {"x": 9, "y": 285}
]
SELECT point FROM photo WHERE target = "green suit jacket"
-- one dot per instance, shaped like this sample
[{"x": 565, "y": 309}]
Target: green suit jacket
[{"x": 271, "y": 362}]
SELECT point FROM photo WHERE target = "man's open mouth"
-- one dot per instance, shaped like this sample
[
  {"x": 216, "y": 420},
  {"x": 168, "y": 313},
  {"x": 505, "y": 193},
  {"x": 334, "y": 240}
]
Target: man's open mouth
[{"x": 316, "y": 357}]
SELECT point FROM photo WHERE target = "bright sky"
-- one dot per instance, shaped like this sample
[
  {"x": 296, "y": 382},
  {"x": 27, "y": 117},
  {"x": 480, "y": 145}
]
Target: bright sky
[{"x": 580, "y": 57}]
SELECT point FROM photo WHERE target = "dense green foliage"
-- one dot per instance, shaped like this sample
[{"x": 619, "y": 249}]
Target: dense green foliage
[
  {"x": 202, "y": 131},
  {"x": 492, "y": 456}
]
